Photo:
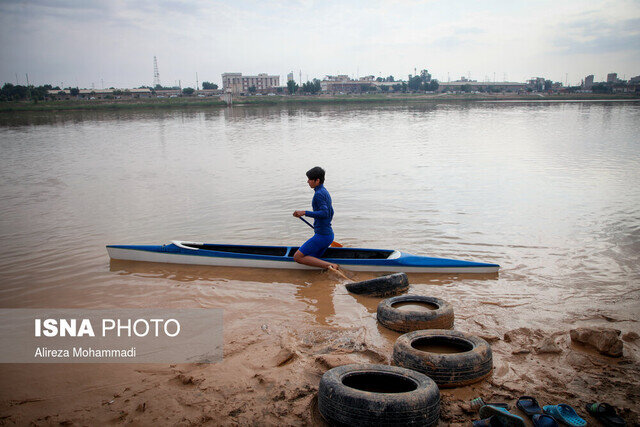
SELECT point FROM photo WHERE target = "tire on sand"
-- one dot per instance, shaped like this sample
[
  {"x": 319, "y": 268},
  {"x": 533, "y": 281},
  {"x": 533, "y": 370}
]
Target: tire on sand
[
  {"x": 450, "y": 358},
  {"x": 392, "y": 284},
  {"x": 363, "y": 395},
  {"x": 440, "y": 317}
]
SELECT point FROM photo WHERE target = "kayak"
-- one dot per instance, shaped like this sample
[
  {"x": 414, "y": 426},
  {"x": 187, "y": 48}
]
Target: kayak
[{"x": 356, "y": 259}]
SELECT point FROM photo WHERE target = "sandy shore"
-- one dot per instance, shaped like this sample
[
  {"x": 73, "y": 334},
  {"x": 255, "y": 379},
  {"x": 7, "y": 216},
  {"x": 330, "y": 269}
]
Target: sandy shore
[{"x": 277, "y": 347}]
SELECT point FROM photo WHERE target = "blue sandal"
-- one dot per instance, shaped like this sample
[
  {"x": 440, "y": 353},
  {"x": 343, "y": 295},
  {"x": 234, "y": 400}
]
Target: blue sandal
[
  {"x": 505, "y": 417},
  {"x": 565, "y": 414},
  {"x": 529, "y": 405},
  {"x": 544, "y": 420}
]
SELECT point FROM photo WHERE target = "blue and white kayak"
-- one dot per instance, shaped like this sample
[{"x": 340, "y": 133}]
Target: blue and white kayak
[{"x": 356, "y": 259}]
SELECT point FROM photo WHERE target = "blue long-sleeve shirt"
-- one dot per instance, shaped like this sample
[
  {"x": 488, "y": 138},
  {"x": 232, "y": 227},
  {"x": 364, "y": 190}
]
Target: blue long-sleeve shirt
[{"x": 322, "y": 212}]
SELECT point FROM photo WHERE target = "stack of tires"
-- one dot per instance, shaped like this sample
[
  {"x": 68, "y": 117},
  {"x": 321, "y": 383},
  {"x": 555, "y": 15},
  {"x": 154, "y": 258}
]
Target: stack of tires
[{"x": 429, "y": 355}]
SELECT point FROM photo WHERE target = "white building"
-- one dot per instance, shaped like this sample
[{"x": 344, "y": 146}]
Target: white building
[{"x": 236, "y": 83}]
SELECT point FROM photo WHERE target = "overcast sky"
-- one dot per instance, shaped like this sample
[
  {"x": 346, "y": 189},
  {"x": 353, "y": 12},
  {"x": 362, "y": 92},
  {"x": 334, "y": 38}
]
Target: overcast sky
[{"x": 85, "y": 42}]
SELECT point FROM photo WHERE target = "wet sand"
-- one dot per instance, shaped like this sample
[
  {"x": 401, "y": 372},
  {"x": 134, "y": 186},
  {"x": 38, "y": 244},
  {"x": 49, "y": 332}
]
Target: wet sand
[{"x": 281, "y": 336}]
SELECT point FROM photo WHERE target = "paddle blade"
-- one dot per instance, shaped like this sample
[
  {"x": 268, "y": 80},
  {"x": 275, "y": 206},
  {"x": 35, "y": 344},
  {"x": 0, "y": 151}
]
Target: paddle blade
[{"x": 335, "y": 245}]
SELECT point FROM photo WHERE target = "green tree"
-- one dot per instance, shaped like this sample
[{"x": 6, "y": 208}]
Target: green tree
[
  {"x": 252, "y": 90},
  {"x": 312, "y": 87},
  {"x": 367, "y": 88},
  {"x": 433, "y": 85},
  {"x": 208, "y": 85},
  {"x": 384, "y": 88},
  {"x": 548, "y": 85},
  {"x": 601, "y": 88},
  {"x": 74, "y": 91},
  {"x": 292, "y": 87},
  {"x": 188, "y": 91},
  {"x": 415, "y": 83}
]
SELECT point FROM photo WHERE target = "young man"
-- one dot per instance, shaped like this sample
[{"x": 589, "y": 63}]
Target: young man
[{"x": 322, "y": 213}]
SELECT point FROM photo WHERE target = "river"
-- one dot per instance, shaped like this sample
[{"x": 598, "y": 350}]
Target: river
[{"x": 550, "y": 191}]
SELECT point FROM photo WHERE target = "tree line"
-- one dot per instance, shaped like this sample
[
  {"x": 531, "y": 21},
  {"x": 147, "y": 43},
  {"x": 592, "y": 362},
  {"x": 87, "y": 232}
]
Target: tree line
[{"x": 11, "y": 92}]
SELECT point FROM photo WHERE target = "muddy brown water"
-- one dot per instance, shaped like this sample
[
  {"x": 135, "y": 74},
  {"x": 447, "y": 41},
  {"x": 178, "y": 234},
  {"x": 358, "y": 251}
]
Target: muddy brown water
[{"x": 546, "y": 190}]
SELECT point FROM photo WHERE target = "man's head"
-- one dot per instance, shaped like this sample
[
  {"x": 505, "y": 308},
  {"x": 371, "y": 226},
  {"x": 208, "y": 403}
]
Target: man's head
[{"x": 316, "y": 176}]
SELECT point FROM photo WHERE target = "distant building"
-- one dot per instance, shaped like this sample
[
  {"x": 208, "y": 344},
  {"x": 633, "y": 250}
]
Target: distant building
[
  {"x": 536, "y": 84},
  {"x": 101, "y": 93},
  {"x": 612, "y": 78},
  {"x": 236, "y": 83},
  {"x": 588, "y": 82},
  {"x": 635, "y": 79},
  {"x": 343, "y": 84},
  {"x": 474, "y": 86},
  {"x": 289, "y": 77}
]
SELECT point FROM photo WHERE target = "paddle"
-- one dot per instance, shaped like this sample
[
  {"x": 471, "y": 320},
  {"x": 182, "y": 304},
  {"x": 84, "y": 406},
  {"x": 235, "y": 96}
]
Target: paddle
[{"x": 333, "y": 244}]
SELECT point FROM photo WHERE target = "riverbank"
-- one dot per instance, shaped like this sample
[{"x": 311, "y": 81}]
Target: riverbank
[
  {"x": 276, "y": 351},
  {"x": 215, "y": 102}
]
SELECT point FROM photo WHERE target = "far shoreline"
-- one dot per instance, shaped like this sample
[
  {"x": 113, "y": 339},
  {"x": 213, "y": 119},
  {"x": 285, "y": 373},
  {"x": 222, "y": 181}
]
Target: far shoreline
[{"x": 298, "y": 100}]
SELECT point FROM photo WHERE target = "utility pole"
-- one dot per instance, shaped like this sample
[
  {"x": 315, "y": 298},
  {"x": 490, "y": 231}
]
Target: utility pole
[
  {"x": 28, "y": 88},
  {"x": 197, "y": 86}
]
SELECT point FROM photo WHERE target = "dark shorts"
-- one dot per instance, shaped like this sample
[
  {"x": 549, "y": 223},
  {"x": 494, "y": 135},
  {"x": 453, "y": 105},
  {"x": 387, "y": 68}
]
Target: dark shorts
[{"x": 316, "y": 245}]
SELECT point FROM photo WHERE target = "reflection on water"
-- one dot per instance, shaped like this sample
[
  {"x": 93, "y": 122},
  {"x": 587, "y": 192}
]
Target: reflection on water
[{"x": 547, "y": 190}]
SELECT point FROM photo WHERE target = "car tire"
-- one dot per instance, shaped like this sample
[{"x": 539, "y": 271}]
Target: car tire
[
  {"x": 406, "y": 321},
  {"x": 365, "y": 395},
  {"x": 471, "y": 360},
  {"x": 392, "y": 284}
]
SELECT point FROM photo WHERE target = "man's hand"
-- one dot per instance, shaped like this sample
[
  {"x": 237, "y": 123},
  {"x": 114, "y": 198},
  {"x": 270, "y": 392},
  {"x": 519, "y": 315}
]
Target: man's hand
[{"x": 298, "y": 214}]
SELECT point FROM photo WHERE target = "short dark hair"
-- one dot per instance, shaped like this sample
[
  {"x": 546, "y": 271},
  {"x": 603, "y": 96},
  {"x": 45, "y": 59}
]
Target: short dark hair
[{"x": 316, "y": 173}]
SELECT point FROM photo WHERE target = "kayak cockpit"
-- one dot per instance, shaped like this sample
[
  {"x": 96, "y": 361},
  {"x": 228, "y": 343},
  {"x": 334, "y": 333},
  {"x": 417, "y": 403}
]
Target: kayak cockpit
[
  {"x": 238, "y": 249},
  {"x": 287, "y": 252}
]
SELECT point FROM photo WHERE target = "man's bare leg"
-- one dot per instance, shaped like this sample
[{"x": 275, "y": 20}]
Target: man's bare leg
[{"x": 301, "y": 258}]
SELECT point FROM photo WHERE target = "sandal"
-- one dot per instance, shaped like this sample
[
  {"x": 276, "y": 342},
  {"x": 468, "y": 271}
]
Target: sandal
[
  {"x": 606, "y": 414},
  {"x": 565, "y": 414}
]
